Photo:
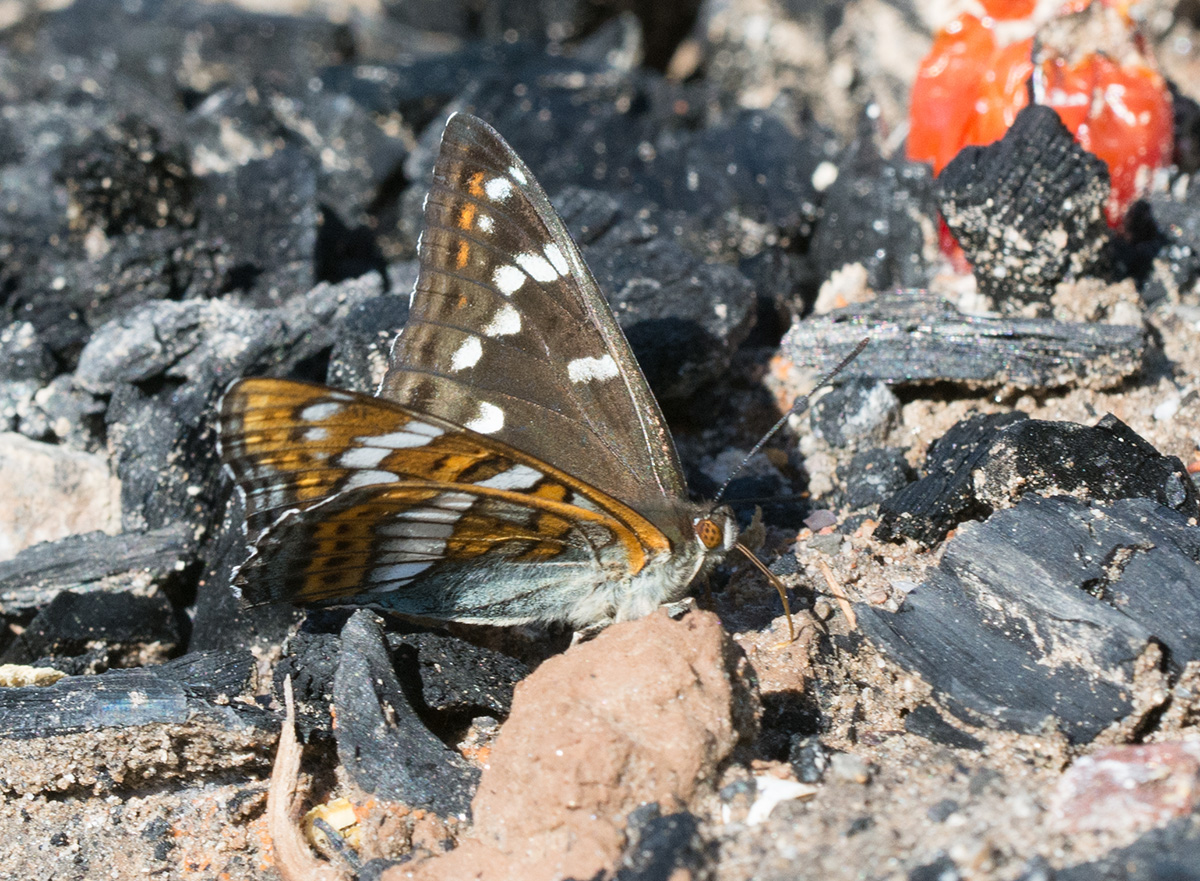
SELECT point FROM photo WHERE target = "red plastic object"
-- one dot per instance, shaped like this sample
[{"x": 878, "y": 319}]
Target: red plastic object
[{"x": 970, "y": 87}]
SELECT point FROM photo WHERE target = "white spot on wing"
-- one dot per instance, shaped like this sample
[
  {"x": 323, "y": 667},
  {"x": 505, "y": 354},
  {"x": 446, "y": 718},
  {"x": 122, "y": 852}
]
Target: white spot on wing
[
  {"x": 589, "y": 369},
  {"x": 363, "y": 457},
  {"x": 316, "y": 435},
  {"x": 399, "y": 550},
  {"x": 517, "y": 477},
  {"x": 320, "y": 412},
  {"x": 415, "y": 434},
  {"x": 454, "y": 502},
  {"x": 485, "y": 222},
  {"x": 416, "y": 523},
  {"x": 468, "y": 354},
  {"x": 401, "y": 572},
  {"x": 537, "y": 266},
  {"x": 489, "y": 420},
  {"x": 370, "y": 478},
  {"x": 505, "y": 322},
  {"x": 555, "y": 255},
  {"x": 498, "y": 189},
  {"x": 508, "y": 279},
  {"x": 518, "y": 175}
]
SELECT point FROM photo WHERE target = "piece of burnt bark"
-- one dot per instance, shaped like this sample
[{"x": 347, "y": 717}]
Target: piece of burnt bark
[
  {"x": 382, "y": 742},
  {"x": 920, "y": 337},
  {"x": 128, "y": 729},
  {"x": 1038, "y": 616},
  {"x": 1028, "y": 210},
  {"x": 91, "y": 562},
  {"x": 989, "y": 462}
]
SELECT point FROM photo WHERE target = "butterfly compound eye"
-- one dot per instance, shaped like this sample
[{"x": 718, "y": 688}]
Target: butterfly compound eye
[{"x": 710, "y": 534}]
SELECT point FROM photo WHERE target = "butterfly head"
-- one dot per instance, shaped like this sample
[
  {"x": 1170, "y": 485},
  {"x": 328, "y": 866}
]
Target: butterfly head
[{"x": 716, "y": 530}]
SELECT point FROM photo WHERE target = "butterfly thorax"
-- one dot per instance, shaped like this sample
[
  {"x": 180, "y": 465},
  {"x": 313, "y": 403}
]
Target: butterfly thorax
[{"x": 700, "y": 537}]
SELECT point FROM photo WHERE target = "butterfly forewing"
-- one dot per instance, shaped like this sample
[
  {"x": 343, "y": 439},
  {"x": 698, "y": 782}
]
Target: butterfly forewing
[{"x": 509, "y": 335}]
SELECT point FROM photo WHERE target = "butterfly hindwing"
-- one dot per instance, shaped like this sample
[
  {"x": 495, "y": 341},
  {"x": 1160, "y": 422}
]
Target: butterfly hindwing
[
  {"x": 509, "y": 335},
  {"x": 350, "y": 498}
]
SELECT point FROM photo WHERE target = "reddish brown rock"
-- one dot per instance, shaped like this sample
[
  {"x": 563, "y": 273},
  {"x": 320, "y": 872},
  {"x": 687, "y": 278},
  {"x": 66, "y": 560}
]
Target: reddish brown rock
[
  {"x": 644, "y": 713},
  {"x": 1129, "y": 788}
]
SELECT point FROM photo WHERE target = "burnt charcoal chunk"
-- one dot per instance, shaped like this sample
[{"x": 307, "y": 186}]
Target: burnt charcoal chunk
[
  {"x": 120, "y": 620},
  {"x": 197, "y": 687},
  {"x": 662, "y": 846},
  {"x": 919, "y": 337},
  {"x": 93, "y": 561},
  {"x": 969, "y": 474},
  {"x": 808, "y": 757},
  {"x": 1027, "y": 210},
  {"x": 874, "y": 476},
  {"x": 457, "y": 677},
  {"x": 927, "y": 722},
  {"x": 267, "y": 211},
  {"x": 125, "y": 178},
  {"x": 382, "y": 742},
  {"x": 878, "y": 213},
  {"x": 23, "y": 356},
  {"x": 1041, "y": 612},
  {"x": 855, "y": 412},
  {"x": 1172, "y": 852},
  {"x": 364, "y": 339},
  {"x": 1175, "y": 267},
  {"x": 941, "y": 869},
  {"x": 935, "y": 504},
  {"x": 1107, "y": 461}
]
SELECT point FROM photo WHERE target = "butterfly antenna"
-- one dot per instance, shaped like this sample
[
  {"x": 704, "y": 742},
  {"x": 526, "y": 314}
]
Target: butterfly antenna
[
  {"x": 798, "y": 406},
  {"x": 775, "y": 583}
]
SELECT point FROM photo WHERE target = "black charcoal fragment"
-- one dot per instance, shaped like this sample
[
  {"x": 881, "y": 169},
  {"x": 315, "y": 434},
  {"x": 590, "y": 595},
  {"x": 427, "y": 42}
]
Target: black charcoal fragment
[
  {"x": 880, "y": 214},
  {"x": 985, "y": 463},
  {"x": 457, "y": 677},
  {"x": 873, "y": 476},
  {"x": 1175, "y": 267},
  {"x": 920, "y": 337},
  {"x": 202, "y": 684},
  {"x": 364, "y": 340},
  {"x": 1038, "y": 615},
  {"x": 1171, "y": 853},
  {"x": 944, "y": 497},
  {"x": 23, "y": 356},
  {"x": 925, "y": 721},
  {"x": 267, "y": 211},
  {"x": 128, "y": 177},
  {"x": 662, "y": 846},
  {"x": 808, "y": 757},
  {"x": 855, "y": 413},
  {"x": 941, "y": 869},
  {"x": 382, "y": 742},
  {"x": 1028, "y": 210},
  {"x": 124, "y": 622},
  {"x": 94, "y": 562}
]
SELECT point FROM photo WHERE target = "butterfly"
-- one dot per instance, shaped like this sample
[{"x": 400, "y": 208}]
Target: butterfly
[{"x": 513, "y": 466}]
